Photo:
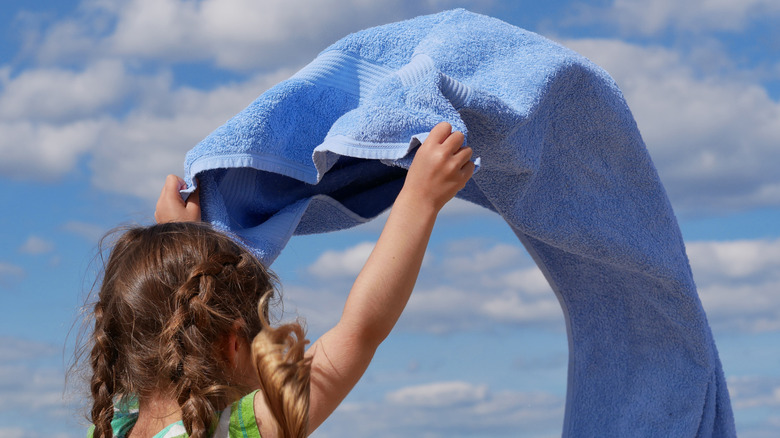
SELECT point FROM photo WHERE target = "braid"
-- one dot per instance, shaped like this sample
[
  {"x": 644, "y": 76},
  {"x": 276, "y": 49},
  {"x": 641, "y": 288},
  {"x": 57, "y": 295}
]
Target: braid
[
  {"x": 197, "y": 323},
  {"x": 197, "y": 413},
  {"x": 102, "y": 383}
]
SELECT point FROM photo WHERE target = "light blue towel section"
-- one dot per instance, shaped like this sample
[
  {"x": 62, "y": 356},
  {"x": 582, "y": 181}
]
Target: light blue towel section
[{"x": 562, "y": 162}]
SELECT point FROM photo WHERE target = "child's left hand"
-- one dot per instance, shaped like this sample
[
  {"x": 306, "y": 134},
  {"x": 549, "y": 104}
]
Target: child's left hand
[{"x": 170, "y": 206}]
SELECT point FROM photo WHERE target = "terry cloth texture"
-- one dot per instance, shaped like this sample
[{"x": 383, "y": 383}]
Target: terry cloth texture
[{"x": 562, "y": 161}]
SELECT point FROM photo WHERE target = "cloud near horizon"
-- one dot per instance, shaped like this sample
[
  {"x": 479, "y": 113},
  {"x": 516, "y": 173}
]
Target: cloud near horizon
[{"x": 737, "y": 283}]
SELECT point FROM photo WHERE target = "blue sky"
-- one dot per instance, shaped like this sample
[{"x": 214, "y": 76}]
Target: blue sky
[{"x": 99, "y": 100}]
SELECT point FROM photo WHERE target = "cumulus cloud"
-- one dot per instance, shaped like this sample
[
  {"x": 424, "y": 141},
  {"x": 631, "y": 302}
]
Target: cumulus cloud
[
  {"x": 458, "y": 207},
  {"x": 736, "y": 259},
  {"x": 457, "y": 290},
  {"x": 498, "y": 284},
  {"x": 25, "y": 382},
  {"x": 438, "y": 394},
  {"x": 654, "y": 17},
  {"x": 492, "y": 284},
  {"x": 13, "y": 349},
  {"x": 57, "y": 94},
  {"x": 738, "y": 283},
  {"x": 319, "y": 307},
  {"x": 754, "y": 392},
  {"x": 36, "y": 245},
  {"x": 91, "y": 232},
  {"x": 18, "y": 432},
  {"x": 472, "y": 285},
  {"x": 42, "y": 151},
  {"x": 454, "y": 408},
  {"x": 712, "y": 137},
  {"x": 36, "y": 389},
  {"x": 118, "y": 107},
  {"x": 346, "y": 263},
  {"x": 499, "y": 256},
  {"x": 529, "y": 279},
  {"x": 10, "y": 273},
  {"x": 103, "y": 91},
  {"x": 513, "y": 307},
  {"x": 232, "y": 34},
  {"x": 129, "y": 152},
  {"x": 134, "y": 153}
]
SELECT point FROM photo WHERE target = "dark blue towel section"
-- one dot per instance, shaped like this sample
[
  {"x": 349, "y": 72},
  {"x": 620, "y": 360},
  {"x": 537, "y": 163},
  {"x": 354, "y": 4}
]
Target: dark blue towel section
[{"x": 562, "y": 162}]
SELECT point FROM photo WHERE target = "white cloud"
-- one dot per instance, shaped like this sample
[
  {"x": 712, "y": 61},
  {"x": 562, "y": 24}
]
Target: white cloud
[
  {"x": 233, "y": 34},
  {"x": 472, "y": 286},
  {"x": 654, "y": 17},
  {"x": 346, "y": 263},
  {"x": 459, "y": 207},
  {"x": 754, "y": 392},
  {"x": 36, "y": 245},
  {"x": 450, "y": 295},
  {"x": 499, "y": 256},
  {"x": 513, "y": 307},
  {"x": 41, "y": 151},
  {"x": 33, "y": 388},
  {"x": 742, "y": 307},
  {"x": 438, "y": 394},
  {"x": 9, "y": 273},
  {"x": 55, "y": 94},
  {"x": 735, "y": 259},
  {"x": 738, "y": 283},
  {"x": 319, "y": 307},
  {"x": 443, "y": 309},
  {"x": 130, "y": 153},
  {"x": 442, "y": 409},
  {"x": 712, "y": 137},
  {"x": 91, "y": 232},
  {"x": 530, "y": 280},
  {"x": 134, "y": 154},
  {"x": 18, "y": 432},
  {"x": 456, "y": 208},
  {"x": 136, "y": 126}
]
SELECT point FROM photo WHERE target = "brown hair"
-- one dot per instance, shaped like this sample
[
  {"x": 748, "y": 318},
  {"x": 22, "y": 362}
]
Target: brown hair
[{"x": 170, "y": 293}]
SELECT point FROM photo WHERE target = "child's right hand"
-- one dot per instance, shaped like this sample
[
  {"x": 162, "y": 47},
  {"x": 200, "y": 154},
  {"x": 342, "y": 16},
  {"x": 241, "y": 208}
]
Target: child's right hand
[
  {"x": 440, "y": 168},
  {"x": 170, "y": 206}
]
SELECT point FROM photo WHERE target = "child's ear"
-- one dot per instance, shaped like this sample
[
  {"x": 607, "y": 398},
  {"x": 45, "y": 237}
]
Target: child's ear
[
  {"x": 230, "y": 348},
  {"x": 232, "y": 343}
]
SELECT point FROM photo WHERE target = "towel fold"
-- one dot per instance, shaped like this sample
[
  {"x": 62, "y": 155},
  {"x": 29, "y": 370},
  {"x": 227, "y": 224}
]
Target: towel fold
[{"x": 562, "y": 161}]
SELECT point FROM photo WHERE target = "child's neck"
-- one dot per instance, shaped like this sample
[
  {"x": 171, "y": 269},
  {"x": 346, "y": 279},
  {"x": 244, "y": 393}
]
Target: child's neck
[{"x": 154, "y": 414}]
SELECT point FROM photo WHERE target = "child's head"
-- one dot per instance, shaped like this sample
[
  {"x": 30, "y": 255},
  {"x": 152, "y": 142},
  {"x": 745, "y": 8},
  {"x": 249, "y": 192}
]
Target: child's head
[{"x": 170, "y": 294}]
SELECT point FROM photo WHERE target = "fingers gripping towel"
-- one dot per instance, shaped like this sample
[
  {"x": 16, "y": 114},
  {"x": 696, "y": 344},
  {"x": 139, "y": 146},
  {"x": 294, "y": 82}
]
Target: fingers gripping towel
[{"x": 562, "y": 162}]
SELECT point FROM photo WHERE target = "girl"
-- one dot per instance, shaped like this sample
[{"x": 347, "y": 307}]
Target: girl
[{"x": 178, "y": 327}]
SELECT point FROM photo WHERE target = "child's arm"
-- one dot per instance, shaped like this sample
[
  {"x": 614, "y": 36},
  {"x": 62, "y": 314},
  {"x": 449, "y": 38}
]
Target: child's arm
[{"x": 340, "y": 357}]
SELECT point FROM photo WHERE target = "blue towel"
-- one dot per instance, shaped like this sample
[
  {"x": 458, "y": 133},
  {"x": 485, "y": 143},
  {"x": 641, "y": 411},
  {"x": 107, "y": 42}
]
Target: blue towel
[{"x": 562, "y": 162}]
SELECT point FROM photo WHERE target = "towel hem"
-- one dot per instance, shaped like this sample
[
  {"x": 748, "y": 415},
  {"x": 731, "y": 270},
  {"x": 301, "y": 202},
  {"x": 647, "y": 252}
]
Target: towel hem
[{"x": 267, "y": 163}]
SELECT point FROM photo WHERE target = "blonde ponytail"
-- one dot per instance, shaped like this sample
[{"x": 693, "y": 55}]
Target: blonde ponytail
[{"x": 284, "y": 372}]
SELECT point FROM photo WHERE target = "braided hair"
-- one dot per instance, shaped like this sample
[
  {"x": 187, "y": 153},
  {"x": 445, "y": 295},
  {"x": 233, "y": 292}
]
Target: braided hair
[{"x": 170, "y": 293}]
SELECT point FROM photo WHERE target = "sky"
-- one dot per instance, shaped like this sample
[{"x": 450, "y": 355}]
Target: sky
[{"x": 100, "y": 99}]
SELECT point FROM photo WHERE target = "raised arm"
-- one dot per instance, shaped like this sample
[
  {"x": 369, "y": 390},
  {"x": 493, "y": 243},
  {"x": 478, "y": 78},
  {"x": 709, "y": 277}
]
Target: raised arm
[{"x": 440, "y": 169}]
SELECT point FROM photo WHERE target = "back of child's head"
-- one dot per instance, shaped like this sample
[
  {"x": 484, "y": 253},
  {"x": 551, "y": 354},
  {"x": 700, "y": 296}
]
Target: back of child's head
[{"x": 170, "y": 293}]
